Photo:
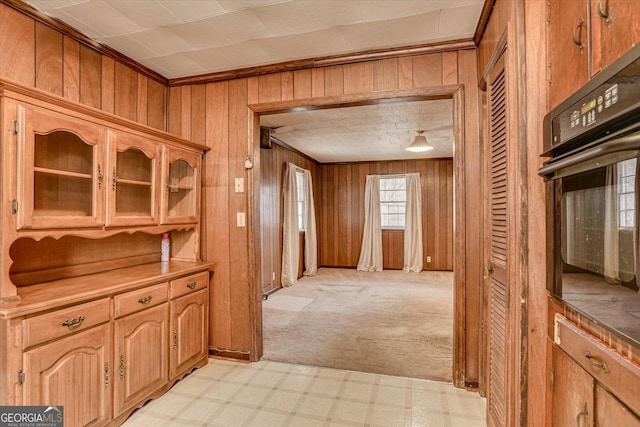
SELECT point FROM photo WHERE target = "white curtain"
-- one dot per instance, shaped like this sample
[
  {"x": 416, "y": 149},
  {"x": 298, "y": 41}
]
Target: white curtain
[
  {"x": 291, "y": 230},
  {"x": 413, "y": 225},
  {"x": 310, "y": 238},
  {"x": 371, "y": 250},
  {"x": 611, "y": 236}
]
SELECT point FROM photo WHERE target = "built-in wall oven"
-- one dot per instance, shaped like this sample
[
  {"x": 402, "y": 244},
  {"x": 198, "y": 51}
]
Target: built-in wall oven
[{"x": 593, "y": 143}]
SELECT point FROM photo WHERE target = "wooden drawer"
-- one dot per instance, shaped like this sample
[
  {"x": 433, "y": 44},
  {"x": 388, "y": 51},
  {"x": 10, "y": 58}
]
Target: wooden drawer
[
  {"x": 608, "y": 368},
  {"x": 139, "y": 299},
  {"x": 45, "y": 327},
  {"x": 186, "y": 285}
]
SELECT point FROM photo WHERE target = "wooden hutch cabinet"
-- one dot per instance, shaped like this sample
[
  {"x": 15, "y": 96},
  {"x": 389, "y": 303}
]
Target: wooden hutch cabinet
[{"x": 90, "y": 317}]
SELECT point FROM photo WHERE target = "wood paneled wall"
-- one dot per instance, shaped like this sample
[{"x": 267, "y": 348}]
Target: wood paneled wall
[
  {"x": 220, "y": 114},
  {"x": 273, "y": 162},
  {"x": 341, "y": 213},
  {"x": 39, "y": 56}
]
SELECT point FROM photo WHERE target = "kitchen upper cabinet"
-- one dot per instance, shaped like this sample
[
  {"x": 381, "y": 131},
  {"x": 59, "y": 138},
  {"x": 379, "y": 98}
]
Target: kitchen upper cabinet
[
  {"x": 182, "y": 186},
  {"x": 615, "y": 30},
  {"x": 74, "y": 372},
  {"x": 132, "y": 180},
  {"x": 568, "y": 48},
  {"x": 61, "y": 170},
  {"x": 584, "y": 37}
]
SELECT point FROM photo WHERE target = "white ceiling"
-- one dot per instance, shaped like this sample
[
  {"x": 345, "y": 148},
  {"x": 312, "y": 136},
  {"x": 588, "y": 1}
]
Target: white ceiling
[
  {"x": 367, "y": 133},
  {"x": 179, "y": 38}
]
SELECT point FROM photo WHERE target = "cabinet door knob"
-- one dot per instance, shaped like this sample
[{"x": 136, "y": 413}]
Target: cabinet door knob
[
  {"x": 577, "y": 34},
  {"x": 73, "y": 323}
]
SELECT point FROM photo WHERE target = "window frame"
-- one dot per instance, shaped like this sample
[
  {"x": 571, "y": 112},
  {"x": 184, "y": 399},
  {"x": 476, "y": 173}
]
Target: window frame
[{"x": 403, "y": 204}]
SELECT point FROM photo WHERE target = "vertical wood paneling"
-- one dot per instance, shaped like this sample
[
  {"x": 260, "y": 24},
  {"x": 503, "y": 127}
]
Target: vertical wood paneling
[
  {"x": 142, "y": 100},
  {"x": 108, "y": 85},
  {"x": 272, "y": 170},
  {"x": 238, "y": 253},
  {"x": 90, "y": 77},
  {"x": 71, "y": 69},
  {"x": 156, "y": 105},
  {"x": 334, "y": 81},
  {"x": 198, "y": 113},
  {"x": 17, "y": 46},
  {"x": 48, "y": 59},
  {"x": 317, "y": 82},
  {"x": 185, "y": 119},
  {"x": 215, "y": 221},
  {"x": 385, "y": 74},
  {"x": 287, "y": 85},
  {"x": 449, "y": 68},
  {"x": 126, "y": 91},
  {"x": 302, "y": 84},
  {"x": 270, "y": 88},
  {"x": 405, "y": 72},
  {"x": 427, "y": 70},
  {"x": 175, "y": 110},
  {"x": 253, "y": 89},
  {"x": 358, "y": 78},
  {"x": 342, "y": 213}
]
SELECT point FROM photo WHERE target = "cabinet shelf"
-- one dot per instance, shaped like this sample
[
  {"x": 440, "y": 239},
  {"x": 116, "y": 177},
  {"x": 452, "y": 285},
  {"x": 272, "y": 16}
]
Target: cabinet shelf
[
  {"x": 57, "y": 172},
  {"x": 134, "y": 182}
]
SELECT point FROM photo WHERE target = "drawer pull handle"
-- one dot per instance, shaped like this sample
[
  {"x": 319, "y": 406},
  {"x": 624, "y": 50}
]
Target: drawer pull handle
[
  {"x": 145, "y": 300},
  {"x": 597, "y": 363},
  {"x": 73, "y": 323},
  {"x": 191, "y": 285}
]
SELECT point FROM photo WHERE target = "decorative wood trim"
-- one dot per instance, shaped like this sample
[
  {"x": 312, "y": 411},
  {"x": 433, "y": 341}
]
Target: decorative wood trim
[
  {"x": 9, "y": 88},
  {"x": 483, "y": 21},
  {"x": 228, "y": 354},
  {"x": 74, "y": 34},
  {"x": 370, "y": 98},
  {"x": 495, "y": 57},
  {"x": 370, "y": 55}
]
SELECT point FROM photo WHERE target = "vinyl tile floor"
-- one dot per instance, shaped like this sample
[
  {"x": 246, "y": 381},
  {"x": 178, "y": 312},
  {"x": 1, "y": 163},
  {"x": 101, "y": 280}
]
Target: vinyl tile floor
[{"x": 270, "y": 394}]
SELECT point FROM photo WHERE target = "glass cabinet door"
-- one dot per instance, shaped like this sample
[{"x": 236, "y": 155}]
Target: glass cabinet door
[
  {"x": 62, "y": 171},
  {"x": 132, "y": 181},
  {"x": 182, "y": 186}
]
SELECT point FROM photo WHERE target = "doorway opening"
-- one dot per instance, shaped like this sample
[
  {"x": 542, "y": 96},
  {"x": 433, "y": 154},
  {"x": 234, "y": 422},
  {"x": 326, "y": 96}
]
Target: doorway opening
[{"x": 455, "y": 112}]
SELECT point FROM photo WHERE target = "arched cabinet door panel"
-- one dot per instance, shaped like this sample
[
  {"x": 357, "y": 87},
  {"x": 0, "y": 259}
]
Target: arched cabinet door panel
[
  {"x": 180, "y": 199},
  {"x": 74, "y": 372},
  {"x": 61, "y": 170},
  {"x": 189, "y": 339}
]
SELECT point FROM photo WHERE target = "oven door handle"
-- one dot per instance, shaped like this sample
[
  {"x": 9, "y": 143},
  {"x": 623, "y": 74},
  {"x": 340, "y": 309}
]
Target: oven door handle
[{"x": 607, "y": 153}]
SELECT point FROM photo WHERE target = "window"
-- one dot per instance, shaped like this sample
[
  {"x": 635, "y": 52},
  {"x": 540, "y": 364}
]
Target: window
[
  {"x": 393, "y": 201},
  {"x": 301, "y": 200},
  {"x": 626, "y": 193}
]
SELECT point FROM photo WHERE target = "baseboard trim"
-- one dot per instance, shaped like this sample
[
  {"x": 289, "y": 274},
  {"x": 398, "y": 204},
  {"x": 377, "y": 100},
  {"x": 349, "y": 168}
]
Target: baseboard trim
[{"x": 229, "y": 354}]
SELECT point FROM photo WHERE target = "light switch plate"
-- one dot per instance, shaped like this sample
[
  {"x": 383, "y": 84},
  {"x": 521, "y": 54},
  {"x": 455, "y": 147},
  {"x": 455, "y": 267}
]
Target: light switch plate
[
  {"x": 240, "y": 219},
  {"x": 239, "y": 185}
]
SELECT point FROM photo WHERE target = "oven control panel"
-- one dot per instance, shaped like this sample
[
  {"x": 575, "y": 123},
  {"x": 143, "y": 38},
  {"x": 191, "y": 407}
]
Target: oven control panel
[{"x": 604, "y": 105}]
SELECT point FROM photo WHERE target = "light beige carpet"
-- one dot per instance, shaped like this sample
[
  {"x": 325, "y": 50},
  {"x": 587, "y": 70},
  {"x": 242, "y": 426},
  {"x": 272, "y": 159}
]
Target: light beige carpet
[{"x": 388, "y": 322}]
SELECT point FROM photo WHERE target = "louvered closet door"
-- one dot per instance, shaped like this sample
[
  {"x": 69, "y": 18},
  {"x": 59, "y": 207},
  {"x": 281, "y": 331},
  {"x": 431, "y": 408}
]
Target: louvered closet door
[{"x": 499, "y": 248}]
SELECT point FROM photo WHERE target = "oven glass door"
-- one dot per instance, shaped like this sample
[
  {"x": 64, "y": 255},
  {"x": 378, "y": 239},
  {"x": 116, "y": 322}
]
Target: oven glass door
[{"x": 599, "y": 243}]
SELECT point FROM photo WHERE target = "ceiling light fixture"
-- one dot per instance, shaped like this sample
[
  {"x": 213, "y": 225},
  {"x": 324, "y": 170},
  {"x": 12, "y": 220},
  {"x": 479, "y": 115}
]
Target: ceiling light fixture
[{"x": 419, "y": 143}]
